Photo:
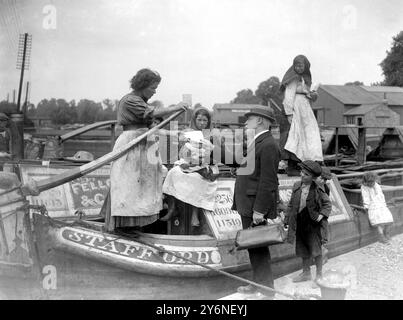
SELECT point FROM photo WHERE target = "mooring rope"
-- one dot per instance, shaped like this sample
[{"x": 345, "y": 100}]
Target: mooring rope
[{"x": 227, "y": 274}]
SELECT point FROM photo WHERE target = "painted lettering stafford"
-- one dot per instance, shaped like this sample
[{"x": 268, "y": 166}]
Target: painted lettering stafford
[{"x": 131, "y": 250}]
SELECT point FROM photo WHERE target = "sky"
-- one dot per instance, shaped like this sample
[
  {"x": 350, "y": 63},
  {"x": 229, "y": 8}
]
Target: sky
[{"x": 208, "y": 48}]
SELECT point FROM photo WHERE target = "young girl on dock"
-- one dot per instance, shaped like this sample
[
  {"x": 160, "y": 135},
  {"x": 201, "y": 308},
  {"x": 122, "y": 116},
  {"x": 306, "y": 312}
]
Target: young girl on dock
[{"x": 374, "y": 202}]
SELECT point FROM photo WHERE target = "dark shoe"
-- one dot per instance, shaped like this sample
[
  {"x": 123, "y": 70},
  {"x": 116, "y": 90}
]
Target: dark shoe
[
  {"x": 304, "y": 276},
  {"x": 249, "y": 289}
]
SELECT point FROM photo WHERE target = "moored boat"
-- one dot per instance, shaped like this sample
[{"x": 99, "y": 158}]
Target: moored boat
[
  {"x": 58, "y": 241},
  {"x": 87, "y": 260}
]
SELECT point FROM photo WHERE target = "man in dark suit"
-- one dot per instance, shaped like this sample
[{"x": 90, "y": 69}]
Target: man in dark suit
[{"x": 256, "y": 188}]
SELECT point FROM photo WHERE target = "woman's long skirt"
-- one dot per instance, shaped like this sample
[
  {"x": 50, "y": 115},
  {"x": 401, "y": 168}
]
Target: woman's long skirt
[
  {"x": 136, "y": 184},
  {"x": 304, "y": 136}
]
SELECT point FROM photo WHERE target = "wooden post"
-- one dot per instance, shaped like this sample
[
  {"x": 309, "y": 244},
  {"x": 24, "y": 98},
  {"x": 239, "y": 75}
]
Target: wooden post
[
  {"x": 337, "y": 147},
  {"x": 361, "y": 154},
  {"x": 17, "y": 136}
]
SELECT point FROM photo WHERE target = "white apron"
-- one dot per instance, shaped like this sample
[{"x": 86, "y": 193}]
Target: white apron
[
  {"x": 136, "y": 182},
  {"x": 304, "y": 136}
]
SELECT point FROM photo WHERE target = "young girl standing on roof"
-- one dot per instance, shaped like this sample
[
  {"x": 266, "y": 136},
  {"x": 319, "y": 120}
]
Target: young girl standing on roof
[{"x": 303, "y": 142}]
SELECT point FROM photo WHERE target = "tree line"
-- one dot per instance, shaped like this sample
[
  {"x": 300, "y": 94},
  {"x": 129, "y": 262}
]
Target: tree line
[{"x": 62, "y": 112}]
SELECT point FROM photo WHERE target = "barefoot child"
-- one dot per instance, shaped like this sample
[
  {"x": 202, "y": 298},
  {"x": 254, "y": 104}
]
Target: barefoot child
[
  {"x": 374, "y": 202},
  {"x": 308, "y": 206}
]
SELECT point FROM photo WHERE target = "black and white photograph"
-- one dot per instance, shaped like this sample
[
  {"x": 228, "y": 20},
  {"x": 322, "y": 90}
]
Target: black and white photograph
[{"x": 214, "y": 151}]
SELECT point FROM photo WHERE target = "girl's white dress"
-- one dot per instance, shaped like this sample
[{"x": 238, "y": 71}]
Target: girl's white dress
[
  {"x": 188, "y": 185},
  {"x": 374, "y": 200},
  {"x": 304, "y": 136}
]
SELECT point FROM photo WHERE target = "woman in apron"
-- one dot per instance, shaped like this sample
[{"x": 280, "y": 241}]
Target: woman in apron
[
  {"x": 303, "y": 141},
  {"x": 136, "y": 177}
]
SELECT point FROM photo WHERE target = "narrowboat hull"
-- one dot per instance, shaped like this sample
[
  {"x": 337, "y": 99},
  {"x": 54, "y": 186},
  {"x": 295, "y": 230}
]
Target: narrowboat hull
[
  {"x": 70, "y": 258},
  {"x": 90, "y": 264}
]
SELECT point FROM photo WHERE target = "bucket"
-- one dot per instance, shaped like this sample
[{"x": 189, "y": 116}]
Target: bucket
[{"x": 328, "y": 293}]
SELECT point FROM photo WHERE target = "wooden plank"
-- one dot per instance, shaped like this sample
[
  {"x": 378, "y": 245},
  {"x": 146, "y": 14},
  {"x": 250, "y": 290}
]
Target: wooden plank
[
  {"x": 82, "y": 130},
  {"x": 361, "y": 150}
]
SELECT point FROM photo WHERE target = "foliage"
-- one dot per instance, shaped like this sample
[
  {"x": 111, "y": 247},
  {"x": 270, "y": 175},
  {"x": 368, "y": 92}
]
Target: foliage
[
  {"x": 62, "y": 112},
  {"x": 392, "y": 65},
  {"x": 246, "y": 96},
  {"x": 355, "y": 83},
  {"x": 266, "y": 92},
  {"x": 269, "y": 89},
  {"x": 8, "y": 107}
]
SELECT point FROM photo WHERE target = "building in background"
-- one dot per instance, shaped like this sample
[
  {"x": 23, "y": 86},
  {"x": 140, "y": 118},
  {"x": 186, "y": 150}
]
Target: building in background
[
  {"x": 372, "y": 115},
  {"x": 40, "y": 122},
  {"x": 393, "y": 96},
  {"x": 339, "y": 105},
  {"x": 231, "y": 113}
]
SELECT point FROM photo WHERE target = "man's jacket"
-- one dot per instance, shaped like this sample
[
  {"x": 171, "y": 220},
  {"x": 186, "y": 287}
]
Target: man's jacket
[{"x": 258, "y": 189}]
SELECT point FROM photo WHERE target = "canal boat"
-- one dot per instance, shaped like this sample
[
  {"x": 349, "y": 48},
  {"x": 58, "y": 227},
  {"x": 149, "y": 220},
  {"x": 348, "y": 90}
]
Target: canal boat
[{"x": 54, "y": 244}]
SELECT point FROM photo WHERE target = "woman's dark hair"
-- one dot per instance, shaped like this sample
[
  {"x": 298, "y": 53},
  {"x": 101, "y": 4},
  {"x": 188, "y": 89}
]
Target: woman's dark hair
[
  {"x": 144, "y": 78},
  {"x": 203, "y": 112}
]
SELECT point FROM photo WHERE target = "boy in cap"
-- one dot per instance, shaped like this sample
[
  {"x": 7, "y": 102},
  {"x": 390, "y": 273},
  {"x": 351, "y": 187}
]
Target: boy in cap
[{"x": 308, "y": 206}]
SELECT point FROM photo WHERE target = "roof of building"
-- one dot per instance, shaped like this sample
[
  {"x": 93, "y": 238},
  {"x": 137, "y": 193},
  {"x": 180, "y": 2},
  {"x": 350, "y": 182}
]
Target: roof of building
[
  {"x": 382, "y": 89},
  {"x": 361, "y": 110},
  {"x": 235, "y": 106},
  {"x": 393, "y": 98},
  {"x": 351, "y": 94}
]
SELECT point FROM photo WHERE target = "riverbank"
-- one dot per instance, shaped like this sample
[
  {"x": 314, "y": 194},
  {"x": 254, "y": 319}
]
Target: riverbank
[{"x": 376, "y": 273}]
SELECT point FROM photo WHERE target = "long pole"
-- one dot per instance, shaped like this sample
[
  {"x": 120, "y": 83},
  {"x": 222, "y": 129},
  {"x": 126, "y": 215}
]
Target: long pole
[
  {"x": 26, "y": 100},
  {"x": 22, "y": 72},
  {"x": 77, "y": 172}
]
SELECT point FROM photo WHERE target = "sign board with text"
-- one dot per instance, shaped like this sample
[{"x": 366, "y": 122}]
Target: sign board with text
[
  {"x": 86, "y": 193},
  {"x": 225, "y": 222}
]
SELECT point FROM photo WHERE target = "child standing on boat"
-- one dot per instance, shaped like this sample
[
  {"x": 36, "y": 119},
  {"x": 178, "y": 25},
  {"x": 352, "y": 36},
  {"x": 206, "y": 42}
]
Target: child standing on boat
[{"x": 374, "y": 202}]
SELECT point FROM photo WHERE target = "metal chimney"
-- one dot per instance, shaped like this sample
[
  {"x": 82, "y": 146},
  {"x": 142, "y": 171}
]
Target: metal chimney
[{"x": 385, "y": 100}]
